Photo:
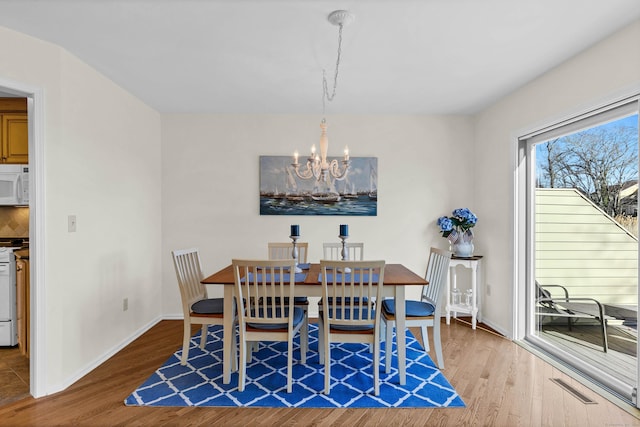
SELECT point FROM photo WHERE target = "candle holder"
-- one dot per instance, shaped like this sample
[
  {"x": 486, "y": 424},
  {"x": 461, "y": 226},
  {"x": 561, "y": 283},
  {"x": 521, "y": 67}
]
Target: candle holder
[
  {"x": 345, "y": 252},
  {"x": 294, "y": 253}
]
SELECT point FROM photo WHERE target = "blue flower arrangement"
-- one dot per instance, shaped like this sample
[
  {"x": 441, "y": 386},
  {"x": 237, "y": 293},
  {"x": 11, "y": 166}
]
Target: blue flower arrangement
[{"x": 460, "y": 222}]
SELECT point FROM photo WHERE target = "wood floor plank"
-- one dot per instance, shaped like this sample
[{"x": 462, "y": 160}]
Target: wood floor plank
[{"x": 501, "y": 383}]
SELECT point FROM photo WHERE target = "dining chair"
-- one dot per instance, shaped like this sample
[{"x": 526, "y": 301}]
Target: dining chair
[
  {"x": 424, "y": 313},
  {"x": 333, "y": 250},
  {"x": 267, "y": 319},
  {"x": 196, "y": 307},
  {"x": 284, "y": 250},
  {"x": 350, "y": 323}
]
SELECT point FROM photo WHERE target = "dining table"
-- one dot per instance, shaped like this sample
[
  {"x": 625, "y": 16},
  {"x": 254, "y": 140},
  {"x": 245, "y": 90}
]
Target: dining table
[{"x": 396, "y": 279}]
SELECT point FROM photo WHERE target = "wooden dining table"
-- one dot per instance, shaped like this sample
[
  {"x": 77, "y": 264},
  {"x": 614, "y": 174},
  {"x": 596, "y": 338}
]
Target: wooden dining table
[{"x": 396, "y": 278}]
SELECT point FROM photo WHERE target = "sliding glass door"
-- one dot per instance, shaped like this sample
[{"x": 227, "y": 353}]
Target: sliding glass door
[{"x": 581, "y": 247}]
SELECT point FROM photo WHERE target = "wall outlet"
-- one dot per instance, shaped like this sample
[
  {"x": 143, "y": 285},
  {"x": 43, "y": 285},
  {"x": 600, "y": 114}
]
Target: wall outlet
[
  {"x": 125, "y": 304},
  {"x": 71, "y": 223}
]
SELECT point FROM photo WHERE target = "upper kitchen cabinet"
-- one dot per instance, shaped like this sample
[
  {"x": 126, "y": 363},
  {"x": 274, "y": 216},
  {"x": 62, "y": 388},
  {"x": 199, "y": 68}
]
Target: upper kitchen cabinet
[
  {"x": 15, "y": 138},
  {"x": 14, "y": 131}
]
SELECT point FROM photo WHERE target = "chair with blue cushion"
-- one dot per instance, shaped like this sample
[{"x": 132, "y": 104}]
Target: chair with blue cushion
[
  {"x": 284, "y": 250},
  {"x": 424, "y": 313},
  {"x": 333, "y": 251},
  {"x": 266, "y": 309},
  {"x": 196, "y": 307},
  {"x": 357, "y": 322}
]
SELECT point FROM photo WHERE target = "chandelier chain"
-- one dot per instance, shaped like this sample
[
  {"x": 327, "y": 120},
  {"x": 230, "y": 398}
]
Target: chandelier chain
[{"x": 325, "y": 86}]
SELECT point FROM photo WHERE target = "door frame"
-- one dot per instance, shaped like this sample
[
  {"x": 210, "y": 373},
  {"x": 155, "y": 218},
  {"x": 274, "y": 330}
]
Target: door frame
[
  {"x": 524, "y": 246},
  {"x": 35, "y": 117}
]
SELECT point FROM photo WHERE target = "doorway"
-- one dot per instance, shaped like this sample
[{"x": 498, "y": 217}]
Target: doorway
[
  {"x": 579, "y": 262},
  {"x": 14, "y": 237},
  {"x": 35, "y": 115}
]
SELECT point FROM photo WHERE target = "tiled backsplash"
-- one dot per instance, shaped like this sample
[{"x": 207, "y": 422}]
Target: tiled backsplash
[{"x": 14, "y": 221}]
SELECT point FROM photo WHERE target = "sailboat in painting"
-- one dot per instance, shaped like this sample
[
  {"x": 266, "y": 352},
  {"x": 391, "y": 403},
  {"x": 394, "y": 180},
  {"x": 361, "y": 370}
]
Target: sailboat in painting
[
  {"x": 349, "y": 191},
  {"x": 373, "y": 182},
  {"x": 325, "y": 193},
  {"x": 292, "y": 188}
]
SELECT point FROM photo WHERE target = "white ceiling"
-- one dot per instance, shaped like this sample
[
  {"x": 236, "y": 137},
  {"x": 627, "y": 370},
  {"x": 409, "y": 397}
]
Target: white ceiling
[{"x": 267, "y": 56}]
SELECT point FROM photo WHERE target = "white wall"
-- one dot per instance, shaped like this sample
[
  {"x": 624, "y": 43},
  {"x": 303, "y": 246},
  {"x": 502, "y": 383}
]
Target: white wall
[
  {"x": 210, "y": 185},
  {"x": 602, "y": 73},
  {"x": 101, "y": 163}
]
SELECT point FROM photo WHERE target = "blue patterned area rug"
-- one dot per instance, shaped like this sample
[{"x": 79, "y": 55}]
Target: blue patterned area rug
[{"x": 199, "y": 383}]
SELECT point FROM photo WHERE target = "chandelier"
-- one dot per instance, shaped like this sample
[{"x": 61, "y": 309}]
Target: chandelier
[{"x": 317, "y": 166}]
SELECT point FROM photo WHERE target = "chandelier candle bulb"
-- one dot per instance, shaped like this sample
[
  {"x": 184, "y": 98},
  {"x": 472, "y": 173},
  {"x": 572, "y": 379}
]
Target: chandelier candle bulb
[
  {"x": 344, "y": 230},
  {"x": 295, "y": 157},
  {"x": 295, "y": 230},
  {"x": 346, "y": 153}
]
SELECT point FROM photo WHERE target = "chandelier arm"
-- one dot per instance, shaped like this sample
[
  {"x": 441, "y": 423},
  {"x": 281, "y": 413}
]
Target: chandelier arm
[
  {"x": 308, "y": 173},
  {"x": 334, "y": 169}
]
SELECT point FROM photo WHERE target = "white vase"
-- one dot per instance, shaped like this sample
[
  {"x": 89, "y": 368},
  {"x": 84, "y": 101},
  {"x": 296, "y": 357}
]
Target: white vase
[{"x": 463, "y": 246}]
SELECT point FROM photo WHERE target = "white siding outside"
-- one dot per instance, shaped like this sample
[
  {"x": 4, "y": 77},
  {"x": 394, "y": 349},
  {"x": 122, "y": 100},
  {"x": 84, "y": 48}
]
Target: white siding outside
[{"x": 581, "y": 247}]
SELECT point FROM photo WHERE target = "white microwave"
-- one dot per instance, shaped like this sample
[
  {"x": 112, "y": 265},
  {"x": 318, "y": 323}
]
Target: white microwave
[{"x": 14, "y": 185}]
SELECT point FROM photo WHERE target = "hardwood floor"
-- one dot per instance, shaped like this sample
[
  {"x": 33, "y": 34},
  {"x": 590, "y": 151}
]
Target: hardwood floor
[{"x": 501, "y": 383}]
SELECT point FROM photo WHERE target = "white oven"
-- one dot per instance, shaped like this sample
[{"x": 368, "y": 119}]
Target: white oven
[{"x": 8, "y": 307}]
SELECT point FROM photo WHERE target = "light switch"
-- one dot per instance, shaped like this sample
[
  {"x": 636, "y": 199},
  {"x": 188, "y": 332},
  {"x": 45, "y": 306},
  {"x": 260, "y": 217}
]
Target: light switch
[{"x": 72, "y": 223}]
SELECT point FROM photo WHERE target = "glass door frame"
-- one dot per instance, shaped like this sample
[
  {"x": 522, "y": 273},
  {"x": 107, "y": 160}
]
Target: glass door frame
[{"x": 524, "y": 319}]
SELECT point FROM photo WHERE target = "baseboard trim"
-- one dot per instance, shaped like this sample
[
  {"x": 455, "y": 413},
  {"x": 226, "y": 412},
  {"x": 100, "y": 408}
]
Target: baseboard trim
[{"x": 103, "y": 358}]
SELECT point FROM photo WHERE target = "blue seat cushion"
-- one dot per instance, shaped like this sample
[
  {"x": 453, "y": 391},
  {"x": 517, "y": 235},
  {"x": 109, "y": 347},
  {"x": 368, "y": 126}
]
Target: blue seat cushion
[
  {"x": 347, "y": 314},
  {"x": 208, "y": 306},
  {"x": 413, "y": 308},
  {"x": 298, "y": 316}
]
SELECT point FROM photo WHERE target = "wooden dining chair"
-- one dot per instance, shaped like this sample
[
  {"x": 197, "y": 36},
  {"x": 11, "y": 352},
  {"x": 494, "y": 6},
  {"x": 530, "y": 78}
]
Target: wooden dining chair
[
  {"x": 351, "y": 323},
  {"x": 284, "y": 250},
  {"x": 424, "y": 313},
  {"x": 333, "y": 250},
  {"x": 196, "y": 307},
  {"x": 266, "y": 312}
]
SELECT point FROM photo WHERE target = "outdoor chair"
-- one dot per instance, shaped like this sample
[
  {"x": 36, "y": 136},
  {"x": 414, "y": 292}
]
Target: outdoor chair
[{"x": 571, "y": 307}]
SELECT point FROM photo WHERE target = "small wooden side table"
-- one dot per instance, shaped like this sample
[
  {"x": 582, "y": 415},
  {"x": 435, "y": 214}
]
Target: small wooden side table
[{"x": 474, "y": 264}]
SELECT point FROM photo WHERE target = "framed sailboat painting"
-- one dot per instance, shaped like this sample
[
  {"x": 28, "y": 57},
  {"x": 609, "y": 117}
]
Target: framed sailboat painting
[{"x": 285, "y": 191}]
